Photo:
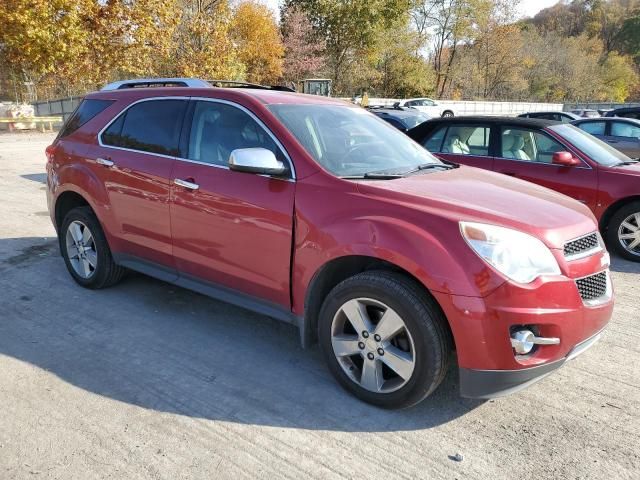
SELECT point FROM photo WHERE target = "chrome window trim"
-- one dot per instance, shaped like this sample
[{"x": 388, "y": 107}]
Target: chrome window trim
[
  {"x": 586, "y": 253},
  {"x": 206, "y": 99}
]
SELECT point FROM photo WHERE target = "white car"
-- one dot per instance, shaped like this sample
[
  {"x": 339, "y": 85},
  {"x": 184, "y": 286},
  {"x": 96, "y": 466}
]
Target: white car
[{"x": 428, "y": 106}]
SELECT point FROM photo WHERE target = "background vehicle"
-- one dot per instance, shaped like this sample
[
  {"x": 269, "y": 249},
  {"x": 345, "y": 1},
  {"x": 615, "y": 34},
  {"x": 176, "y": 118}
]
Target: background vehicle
[
  {"x": 623, "y": 134},
  {"x": 556, "y": 155},
  {"x": 315, "y": 212},
  {"x": 586, "y": 113},
  {"x": 428, "y": 106},
  {"x": 401, "y": 118},
  {"x": 557, "y": 116},
  {"x": 627, "y": 112}
]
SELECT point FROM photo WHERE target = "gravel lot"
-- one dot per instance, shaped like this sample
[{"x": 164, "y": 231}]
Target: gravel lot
[{"x": 146, "y": 380}]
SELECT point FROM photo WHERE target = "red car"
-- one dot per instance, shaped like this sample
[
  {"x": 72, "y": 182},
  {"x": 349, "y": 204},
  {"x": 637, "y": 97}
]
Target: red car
[
  {"x": 318, "y": 213},
  {"x": 552, "y": 154}
]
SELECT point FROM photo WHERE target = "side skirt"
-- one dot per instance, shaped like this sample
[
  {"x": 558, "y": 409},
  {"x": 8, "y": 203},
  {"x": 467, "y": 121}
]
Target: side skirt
[{"x": 209, "y": 289}]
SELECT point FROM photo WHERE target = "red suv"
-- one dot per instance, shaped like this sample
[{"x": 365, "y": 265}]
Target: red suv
[
  {"x": 318, "y": 213},
  {"x": 552, "y": 154}
]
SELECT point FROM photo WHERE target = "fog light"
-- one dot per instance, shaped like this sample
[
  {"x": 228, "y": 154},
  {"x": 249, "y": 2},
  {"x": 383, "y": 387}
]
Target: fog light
[{"x": 523, "y": 341}]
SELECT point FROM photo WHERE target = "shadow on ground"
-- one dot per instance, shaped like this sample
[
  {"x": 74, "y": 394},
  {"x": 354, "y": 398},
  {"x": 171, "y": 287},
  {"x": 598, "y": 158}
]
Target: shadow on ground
[
  {"x": 160, "y": 347},
  {"x": 36, "y": 177}
]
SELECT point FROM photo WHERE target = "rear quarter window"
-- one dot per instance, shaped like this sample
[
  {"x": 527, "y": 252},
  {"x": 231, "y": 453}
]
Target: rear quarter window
[
  {"x": 150, "y": 126},
  {"x": 87, "y": 109}
]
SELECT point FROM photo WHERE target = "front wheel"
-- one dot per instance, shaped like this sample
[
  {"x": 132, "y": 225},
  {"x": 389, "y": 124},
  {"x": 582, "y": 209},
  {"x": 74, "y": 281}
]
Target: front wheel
[
  {"x": 384, "y": 339},
  {"x": 623, "y": 232},
  {"x": 447, "y": 114}
]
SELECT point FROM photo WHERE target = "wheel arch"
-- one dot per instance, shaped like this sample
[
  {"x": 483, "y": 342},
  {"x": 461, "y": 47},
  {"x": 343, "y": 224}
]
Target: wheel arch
[
  {"x": 335, "y": 271},
  {"x": 612, "y": 209},
  {"x": 67, "y": 201}
]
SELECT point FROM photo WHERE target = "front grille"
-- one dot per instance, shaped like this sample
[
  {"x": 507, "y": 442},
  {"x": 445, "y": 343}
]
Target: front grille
[
  {"x": 581, "y": 245},
  {"x": 592, "y": 287}
]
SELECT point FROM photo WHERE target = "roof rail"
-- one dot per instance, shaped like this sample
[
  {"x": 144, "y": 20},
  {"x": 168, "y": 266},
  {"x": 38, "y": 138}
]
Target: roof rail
[
  {"x": 157, "y": 82},
  {"x": 233, "y": 83}
]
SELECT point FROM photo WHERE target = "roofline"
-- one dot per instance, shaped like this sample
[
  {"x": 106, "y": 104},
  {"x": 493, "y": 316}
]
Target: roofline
[{"x": 186, "y": 82}]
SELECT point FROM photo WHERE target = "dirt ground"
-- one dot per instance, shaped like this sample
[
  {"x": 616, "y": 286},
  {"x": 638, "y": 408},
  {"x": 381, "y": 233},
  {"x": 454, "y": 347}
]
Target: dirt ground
[{"x": 146, "y": 380}]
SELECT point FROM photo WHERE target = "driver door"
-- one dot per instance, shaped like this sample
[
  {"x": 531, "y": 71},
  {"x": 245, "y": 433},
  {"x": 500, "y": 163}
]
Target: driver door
[
  {"x": 526, "y": 154},
  {"x": 231, "y": 229}
]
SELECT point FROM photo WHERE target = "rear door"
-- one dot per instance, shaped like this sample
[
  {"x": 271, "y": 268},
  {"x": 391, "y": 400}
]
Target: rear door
[
  {"x": 624, "y": 136},
  {"x": 235, "y": 229},
  {"x": 466, "y": 144},
  {"x": 136, "y": 153},
  {"x": 527, "y": 153}
]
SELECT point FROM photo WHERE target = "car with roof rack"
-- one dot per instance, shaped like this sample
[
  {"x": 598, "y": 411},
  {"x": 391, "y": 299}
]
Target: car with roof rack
[
  {"x": 556, "y": 155},
  {"x": 316, "y": 212}
]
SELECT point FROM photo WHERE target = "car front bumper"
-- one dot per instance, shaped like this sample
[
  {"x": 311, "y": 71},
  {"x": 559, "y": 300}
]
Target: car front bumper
[{"x": 498, "y": 383}]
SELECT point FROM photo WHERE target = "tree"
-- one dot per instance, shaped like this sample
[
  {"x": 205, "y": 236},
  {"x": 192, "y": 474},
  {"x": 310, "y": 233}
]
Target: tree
[
  {"x": 257, "y": 39},
  {"x": 447, "y": 23},
  {"x": 304, "y": 51},
  {"x": 350, "y": 28},
  {"x": 628, "y": 39},
  {"x": 402, "y": 70},
  {"x": 203, "y": 44},
  {"x": 41, "y": 37}
]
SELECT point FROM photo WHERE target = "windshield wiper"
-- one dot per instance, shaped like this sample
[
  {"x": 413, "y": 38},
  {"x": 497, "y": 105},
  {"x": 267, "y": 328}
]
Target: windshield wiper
[
  {"x": 389, "y": 175},
  {"x": 382, "y": 175}
]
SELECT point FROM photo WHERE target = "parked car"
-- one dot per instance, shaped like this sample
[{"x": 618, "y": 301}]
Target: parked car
[
  {"x": 318, "y": 213},
  {"x": 586, "y": 113},
  {"x": 427, "y": 105},
  {"x": 627, "y": 112},
  {"x": 556, "y": 155},
  {"x": 557, "y": 116},
  {"x": 623, "y": 134},
  {"x": 401, "y": 118}
]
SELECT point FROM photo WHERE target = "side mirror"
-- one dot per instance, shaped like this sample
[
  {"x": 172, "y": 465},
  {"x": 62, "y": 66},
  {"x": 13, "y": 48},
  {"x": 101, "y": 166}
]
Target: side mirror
[
  {"x": 256, "y": 160},
  {"x": 565, "y": 159}
]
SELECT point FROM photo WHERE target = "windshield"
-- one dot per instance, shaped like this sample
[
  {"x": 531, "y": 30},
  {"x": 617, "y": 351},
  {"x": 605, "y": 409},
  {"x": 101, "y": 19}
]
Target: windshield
[
  {"x": 595, "y": 149},
  {"x": 351, "y": 142}
]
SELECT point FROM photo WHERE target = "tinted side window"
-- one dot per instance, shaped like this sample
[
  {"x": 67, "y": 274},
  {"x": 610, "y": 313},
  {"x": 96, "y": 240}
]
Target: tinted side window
[
  {"x": 594, "y": 128},
  {"x": 467, "y": 140},
  {"x": 394, "y": 122},
  {"x": 623, "y": 129},
  {"x": 217, "y": 129},
  {"x": 150, "y": 126},
  {"x": 433, "y": 143},
  {"x": 87, "y": 109}
]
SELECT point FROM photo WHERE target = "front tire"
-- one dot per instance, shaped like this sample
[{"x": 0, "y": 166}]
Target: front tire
[
  {"x": 85, "y": 250},
  {"x": 623, "y": 232},
  {"x": 384, "y": 339}
]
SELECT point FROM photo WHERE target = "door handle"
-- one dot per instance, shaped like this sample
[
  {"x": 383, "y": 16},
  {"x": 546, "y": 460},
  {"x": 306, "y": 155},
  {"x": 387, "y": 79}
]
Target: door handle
[
  {"x": 104, "y": 162},
  {"x": 612, "y": 141},
  {"x": 186, "y": 184},
  {"x": 511, "y": 174}
]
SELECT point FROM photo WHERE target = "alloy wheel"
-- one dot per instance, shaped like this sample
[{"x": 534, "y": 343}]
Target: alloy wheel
[
  {"x": 373, "y": 345},
  {"x": 629, "y": 233},
  {"x": 81, "y": 249}
]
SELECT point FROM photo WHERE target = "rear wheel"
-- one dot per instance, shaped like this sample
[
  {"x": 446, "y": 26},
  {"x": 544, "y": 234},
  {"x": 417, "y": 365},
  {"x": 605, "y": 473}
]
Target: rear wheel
[
  {"x": 623, "y": 233},
  {"x": 85, "y": 250},
  {"x": 447, "y": 114},
  {"x": 384, "y": 339}
]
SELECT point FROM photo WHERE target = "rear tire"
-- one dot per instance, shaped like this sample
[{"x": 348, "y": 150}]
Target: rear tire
[
  {"x": 85, "y": 250},
  {"x": 623, "y": 232},
  {"x": 447, "y": 114},
  {"x": 408, "y": 364}
]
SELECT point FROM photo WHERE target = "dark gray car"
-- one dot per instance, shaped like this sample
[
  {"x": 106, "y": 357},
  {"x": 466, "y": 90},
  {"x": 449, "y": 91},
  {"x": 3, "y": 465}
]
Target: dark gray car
[{"x": 621, "y": 133}]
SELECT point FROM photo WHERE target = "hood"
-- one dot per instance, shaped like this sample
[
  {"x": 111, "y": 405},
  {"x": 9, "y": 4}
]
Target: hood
[
  {"x": 472, "y": 194},
  {"x": 631, "y": 170}
]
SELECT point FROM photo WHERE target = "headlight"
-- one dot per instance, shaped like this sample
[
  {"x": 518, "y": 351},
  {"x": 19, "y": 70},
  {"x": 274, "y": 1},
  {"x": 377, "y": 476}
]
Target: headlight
[{"x": 518, "y": 256}]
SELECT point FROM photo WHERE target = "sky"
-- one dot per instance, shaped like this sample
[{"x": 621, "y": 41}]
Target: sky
[{"x": 528, "y": 8}]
